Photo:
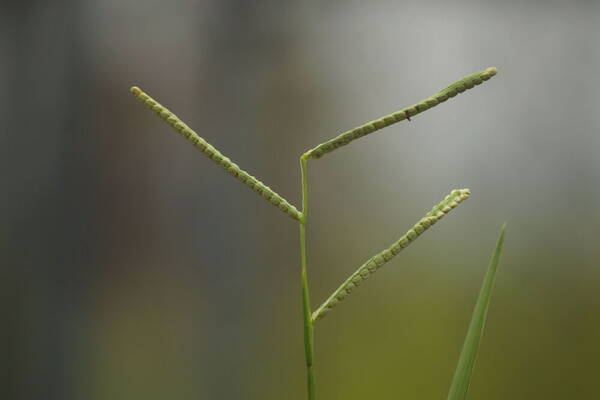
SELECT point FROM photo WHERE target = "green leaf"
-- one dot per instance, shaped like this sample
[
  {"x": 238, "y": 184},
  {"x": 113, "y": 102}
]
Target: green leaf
[{"x": 462, "y": 376}]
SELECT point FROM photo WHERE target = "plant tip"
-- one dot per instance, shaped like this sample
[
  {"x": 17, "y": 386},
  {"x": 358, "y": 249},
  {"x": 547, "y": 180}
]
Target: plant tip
[
  {"x": 492, "y": 70},
  {"x": 135, "y": 90}
]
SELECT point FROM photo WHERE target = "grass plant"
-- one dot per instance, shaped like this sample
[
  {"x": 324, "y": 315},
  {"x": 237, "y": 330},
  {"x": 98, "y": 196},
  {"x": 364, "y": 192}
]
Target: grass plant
[{"x": 460, "y": 384}]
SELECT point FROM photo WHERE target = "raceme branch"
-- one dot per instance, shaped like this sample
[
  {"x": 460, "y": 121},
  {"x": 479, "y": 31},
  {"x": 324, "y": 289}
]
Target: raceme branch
[
  {"x": 370, "y": 127},
  {"x": 438, "y": 212},
  {"x": 215, "y": 155}
]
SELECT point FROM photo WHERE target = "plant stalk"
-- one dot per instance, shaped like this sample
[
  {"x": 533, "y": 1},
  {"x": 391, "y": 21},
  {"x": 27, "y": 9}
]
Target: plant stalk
[{"x": 307, "y": 313}]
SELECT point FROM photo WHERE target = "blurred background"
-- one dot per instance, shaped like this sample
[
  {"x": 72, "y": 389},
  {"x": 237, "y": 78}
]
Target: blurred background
[{"x": 134, "y": 268}]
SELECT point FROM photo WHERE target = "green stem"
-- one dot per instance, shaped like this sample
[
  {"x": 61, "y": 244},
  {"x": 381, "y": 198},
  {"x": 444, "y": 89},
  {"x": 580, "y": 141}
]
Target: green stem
[{"x": 308, "y": 322}]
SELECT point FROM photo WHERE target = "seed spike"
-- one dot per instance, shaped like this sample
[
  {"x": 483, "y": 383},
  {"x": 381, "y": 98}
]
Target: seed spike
[
  {"x": 215, "y": 155},
  {"x": 361, "y": 274},
  {"x": 373, "y": 126}
]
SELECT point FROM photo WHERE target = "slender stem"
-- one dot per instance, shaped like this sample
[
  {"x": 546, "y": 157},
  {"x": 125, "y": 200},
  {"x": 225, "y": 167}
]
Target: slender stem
[{"x": 308, "y": 322}]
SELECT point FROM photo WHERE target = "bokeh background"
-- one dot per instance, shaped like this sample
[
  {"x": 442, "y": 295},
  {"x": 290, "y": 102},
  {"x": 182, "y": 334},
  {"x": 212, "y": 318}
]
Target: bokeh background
[{"x": 134, "y": 268}]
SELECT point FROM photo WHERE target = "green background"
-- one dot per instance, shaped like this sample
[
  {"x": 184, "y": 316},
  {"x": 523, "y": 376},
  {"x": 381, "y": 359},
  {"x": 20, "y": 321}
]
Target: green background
[{"x": 134, "y": 268}]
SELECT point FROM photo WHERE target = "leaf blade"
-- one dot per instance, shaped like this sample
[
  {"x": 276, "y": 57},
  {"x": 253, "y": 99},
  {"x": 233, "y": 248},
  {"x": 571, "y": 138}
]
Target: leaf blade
[{"x": 462, "y": 376}]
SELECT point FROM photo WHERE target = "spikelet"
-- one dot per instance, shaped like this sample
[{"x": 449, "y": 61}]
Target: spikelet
[
  {"x": 375, "y": 262},
  {"x": 370, "y": 127},
  {"x": 216, "y": 156}
]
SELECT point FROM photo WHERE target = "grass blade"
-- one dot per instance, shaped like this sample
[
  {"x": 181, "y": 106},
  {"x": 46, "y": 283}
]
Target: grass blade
[{"x": 462, "y": 376}]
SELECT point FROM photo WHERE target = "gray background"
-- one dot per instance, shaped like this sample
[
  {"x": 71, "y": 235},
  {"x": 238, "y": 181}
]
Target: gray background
[{"x": 134, "y": 268}]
